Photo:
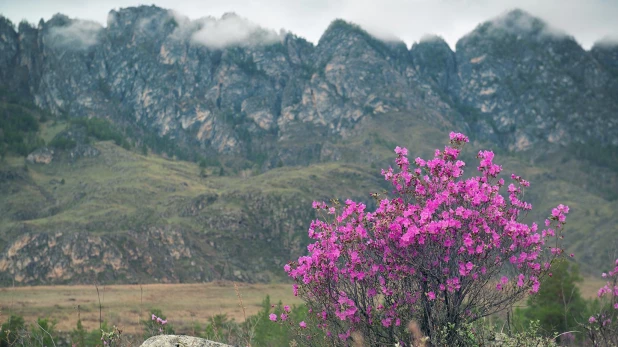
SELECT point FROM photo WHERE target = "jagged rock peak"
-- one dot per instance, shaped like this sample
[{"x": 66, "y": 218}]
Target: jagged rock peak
[
  {"x": 140, "y": 11},
  {"x": 432, "y": 39},
  {"x": 520, "y": 24},
  {"x": 6, "y": 23},
  {"x": 133, "y": 15},
  {"x": 433, "y": 43},
  {"x": 434, "y": 58},
  {"x": 341, "y": 28}
]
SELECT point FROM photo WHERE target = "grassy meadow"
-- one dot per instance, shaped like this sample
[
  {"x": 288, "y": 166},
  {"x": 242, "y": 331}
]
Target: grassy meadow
[{"x": 125, "y": 305}]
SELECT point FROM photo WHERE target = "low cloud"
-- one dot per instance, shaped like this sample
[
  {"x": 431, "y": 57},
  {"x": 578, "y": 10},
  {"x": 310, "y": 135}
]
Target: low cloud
[
  {"x": 431, "y": 38},
  {"x": 78, "y": 35},
  {"x": 380, "y": 33},
  {"x": 230, "y": 30},
  {"x": 518, "y": 21},
  {"x": 587, "y": 20},
  {"x": 607, "y": 41}
]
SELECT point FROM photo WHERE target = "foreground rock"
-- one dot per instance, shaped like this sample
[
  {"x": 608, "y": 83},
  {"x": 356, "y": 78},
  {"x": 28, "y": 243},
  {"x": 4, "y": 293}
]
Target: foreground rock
[{"x": 177, "y": 341}]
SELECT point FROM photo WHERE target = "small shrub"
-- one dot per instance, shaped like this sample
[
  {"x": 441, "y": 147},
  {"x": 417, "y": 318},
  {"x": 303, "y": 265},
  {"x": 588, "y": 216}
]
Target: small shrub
[
  {"x": 10, "y": 331},
  {"x": 156, "y": 325}
]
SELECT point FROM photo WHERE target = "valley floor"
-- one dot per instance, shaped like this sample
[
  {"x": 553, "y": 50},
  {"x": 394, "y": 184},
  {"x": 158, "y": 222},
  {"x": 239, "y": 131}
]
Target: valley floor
[{"x": 184, "y": 305}]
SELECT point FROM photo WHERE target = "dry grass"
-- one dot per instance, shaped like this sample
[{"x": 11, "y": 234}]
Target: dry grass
[
  {"x": 590, "y": 286},
  {"x": 183, "y": 304}
]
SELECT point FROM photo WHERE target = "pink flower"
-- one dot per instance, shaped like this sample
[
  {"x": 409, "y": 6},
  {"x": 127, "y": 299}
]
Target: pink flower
[
  {"x": 592, "y": 319},
  {"x": 401, "y": 151},
  {"x": 302, "y": 324},
  {"x": 520, "y": 280},
  {"x": 286, "y": 308},
  {"x": 431, "y": 296},
  {"x": 284, "y": 316},
  {"x": 272, "y": 317}
]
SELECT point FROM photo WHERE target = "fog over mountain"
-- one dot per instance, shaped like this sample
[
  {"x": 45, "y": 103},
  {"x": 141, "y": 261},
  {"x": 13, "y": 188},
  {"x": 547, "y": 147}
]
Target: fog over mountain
[{"x": 587, "y": 21}]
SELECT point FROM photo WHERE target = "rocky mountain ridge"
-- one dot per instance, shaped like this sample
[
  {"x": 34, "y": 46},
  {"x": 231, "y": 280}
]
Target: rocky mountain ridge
[{"x": 512, "y": 81}]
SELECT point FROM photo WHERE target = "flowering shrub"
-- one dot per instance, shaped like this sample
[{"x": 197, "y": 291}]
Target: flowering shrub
[
  {"x": 159, "y": 321},
  {"x": 156, "y": 325},
  {"x": 443, "y": 251},
  {"x": 603, "y": 327}
]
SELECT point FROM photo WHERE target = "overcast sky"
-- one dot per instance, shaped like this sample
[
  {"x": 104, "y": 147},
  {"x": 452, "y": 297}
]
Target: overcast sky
[{"x": 586, "y": 20}]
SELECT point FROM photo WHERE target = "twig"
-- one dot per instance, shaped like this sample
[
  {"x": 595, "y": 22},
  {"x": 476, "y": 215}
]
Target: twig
[
  {"x": 244, "y": 313},
  {"x": 51, "y": 337},
  {"x": 240, "y": 303},
  {"x": 100, "y": 307},
  {"x": 12, "y": 297},
  {"x": 141, "y": 307}
]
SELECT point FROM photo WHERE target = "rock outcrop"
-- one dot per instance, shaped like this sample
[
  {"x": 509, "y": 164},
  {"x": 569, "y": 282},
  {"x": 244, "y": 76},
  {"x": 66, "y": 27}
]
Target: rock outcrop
[
  {"x": 180, "y": 341},
  {"x": 514, "y": 80},
  {"x": 43, "y": 155}
]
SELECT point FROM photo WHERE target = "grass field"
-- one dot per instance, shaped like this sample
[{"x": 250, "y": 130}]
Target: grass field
[{"x": 125, "y": 305}]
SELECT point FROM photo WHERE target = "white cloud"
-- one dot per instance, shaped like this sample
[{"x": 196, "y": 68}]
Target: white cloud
[
  {"x": 586, "y": 20},
  {"x": 380, "y": 33},
  {"x": 430, "y": 38},
  {"x": 608, "y": 41},
  {"x": 231, "y": 30},
  {"x": 517, "y": 21},
  {"x": 78, "y": 35}
]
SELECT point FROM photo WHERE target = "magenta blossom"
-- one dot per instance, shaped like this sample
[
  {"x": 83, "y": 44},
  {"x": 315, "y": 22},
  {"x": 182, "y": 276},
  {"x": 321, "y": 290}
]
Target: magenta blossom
[{"x": 428, "y": 248}]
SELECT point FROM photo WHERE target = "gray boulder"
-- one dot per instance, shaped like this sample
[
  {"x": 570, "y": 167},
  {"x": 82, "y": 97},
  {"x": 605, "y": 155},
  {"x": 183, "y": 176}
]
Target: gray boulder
[
  {"x": 180, "y": 341},
  {"x": 43, "y": 155}
]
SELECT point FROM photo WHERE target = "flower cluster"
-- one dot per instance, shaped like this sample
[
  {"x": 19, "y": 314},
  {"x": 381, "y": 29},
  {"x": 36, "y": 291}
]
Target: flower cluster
[
  {"x": 284, "y": 315},
  {"x": 432, "y": 253},
  {"x": 158, "y": 323},
  {"x": 158, "y": 320}
]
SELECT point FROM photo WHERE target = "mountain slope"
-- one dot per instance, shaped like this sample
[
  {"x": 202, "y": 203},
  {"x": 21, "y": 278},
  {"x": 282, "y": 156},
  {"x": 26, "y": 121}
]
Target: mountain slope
[
  {"x": 275, "y": 123},
  {"x": 124, "y": 217}
]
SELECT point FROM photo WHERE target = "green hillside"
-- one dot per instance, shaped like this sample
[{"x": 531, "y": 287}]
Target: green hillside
[{"x": 123, "y": 216}]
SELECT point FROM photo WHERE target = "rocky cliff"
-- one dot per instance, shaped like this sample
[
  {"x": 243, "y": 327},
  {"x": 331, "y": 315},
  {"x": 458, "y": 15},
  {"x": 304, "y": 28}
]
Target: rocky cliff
[{"x": 514, "y": 80}]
